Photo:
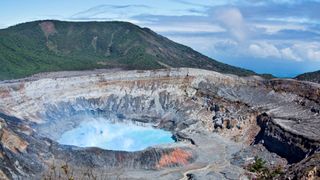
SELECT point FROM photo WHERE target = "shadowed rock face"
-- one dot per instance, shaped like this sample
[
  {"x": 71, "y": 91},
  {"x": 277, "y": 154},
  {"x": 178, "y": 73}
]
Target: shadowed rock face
[
  {"x": 293, "y": 147},
  {"x": 212, "y": 116},
  {"x": 306, "y": 169}
]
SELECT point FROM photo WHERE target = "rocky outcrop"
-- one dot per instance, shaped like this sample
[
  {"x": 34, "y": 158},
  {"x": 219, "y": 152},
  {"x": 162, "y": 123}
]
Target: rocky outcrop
[
  {"x": 291, "y": 146},
  {"x": 13, "y": 142},
  {"x": 307, "y": 169},
  {"x": 306, "y": 90}
]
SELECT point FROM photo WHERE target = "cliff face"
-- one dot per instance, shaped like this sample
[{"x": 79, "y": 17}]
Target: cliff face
[
  {"x": 191, "y": 103},
  {"x": 294, "y": 147}
]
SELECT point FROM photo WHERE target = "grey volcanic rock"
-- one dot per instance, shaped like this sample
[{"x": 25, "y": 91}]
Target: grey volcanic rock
[{"x": 212, "y": 116}]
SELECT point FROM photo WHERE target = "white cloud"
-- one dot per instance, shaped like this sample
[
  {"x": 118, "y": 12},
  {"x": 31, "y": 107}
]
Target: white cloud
[
  {"x": 293, "y": 20},
  {"x": 233, "y": 20},
  {"x": 193, "y": 27},
  {"x": 274, "y": 28},
  {"x": 263, "y": 2},
  {"x": 314, "y": 54},
  {"x": 124, "y": 12},
  {"x": 308, "y": 51},
  {"x": 208, "y": 45},
  {"x": 264, "y": 50},
  {"x": 299, "y": 51},
  {"x": 287, "y": 53}
]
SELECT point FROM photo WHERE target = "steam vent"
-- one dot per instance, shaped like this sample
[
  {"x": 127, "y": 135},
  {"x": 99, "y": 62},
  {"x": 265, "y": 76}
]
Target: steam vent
[{"x": 157, "y": 124}]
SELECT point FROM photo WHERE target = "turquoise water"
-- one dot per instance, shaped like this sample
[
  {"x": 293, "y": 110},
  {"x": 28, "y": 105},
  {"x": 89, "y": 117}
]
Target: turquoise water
[{"x": 114, "y": 136}]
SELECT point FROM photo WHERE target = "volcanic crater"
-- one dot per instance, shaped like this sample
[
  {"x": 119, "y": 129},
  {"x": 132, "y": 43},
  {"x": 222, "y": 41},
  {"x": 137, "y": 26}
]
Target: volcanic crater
[{"x": 218, "y": 123}]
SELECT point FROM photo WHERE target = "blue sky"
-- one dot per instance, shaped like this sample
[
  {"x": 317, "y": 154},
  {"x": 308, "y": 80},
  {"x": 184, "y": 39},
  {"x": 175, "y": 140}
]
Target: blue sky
[{"x": 281, "y": 37}]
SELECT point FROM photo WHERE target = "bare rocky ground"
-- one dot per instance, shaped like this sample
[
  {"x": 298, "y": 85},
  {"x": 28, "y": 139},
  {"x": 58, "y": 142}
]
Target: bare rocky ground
[{"x": 221, "y": 123}]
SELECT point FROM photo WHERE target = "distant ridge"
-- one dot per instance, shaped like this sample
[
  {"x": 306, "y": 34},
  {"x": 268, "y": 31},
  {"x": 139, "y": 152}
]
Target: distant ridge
[
  {"x": 311, "y": 76},
  {"x": 49, "y": 45}
]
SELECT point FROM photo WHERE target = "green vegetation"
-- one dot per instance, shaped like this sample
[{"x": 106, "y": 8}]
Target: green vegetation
[
  {"x": 261, "y": 170},
  {"x": 42, "y": 46},
  {"x": 258, "y": 165},
  {"x": 312, "y": 77}
]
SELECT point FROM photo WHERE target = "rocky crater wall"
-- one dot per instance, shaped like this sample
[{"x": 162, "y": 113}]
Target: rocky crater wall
[{"x": 189, "y": 102}]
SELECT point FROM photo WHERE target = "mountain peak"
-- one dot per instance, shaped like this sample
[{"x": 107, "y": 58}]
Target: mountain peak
[{"x": 51, "y": 45}]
